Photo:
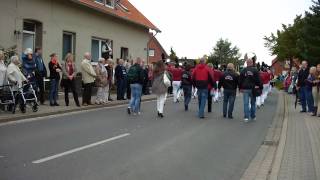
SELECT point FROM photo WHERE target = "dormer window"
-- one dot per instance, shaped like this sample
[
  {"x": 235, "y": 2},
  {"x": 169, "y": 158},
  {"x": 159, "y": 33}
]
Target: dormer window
[{"x": 107, "y": 3}]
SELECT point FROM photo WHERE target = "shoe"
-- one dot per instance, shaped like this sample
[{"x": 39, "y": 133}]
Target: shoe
[
  {"x": 303, "y": 111},
  {"x": 78, "y": 105},
  {"x": 129, "y": 110},
  {"x": 56, "y": 104},
  {"x": 246, "y": 120},
  {"x": 84, "y": 104},
  {"x": 158, "y": 114},
  {"x": 110, "y": 99},
  {"x": 254, "y": 119},
  {"x": 186, "y": 108},
  {"x": 161, "y": 115},
  {"x": 230, "y": 117},
  {"x": 224, "y": 116},
  {"x": 67, "y": 104},
  {"x": 202, "y": 117},
  {"x": 52, "y": 104},
  {"x": 315, "y": 112}
]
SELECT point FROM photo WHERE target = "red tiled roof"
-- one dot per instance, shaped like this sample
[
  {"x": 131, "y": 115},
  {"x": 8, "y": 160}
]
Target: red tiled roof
[{"x": 133, "y": 15}]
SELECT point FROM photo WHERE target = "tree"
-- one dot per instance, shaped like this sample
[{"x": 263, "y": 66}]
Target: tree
[
  {"x": 299, "y": 40},
  {"x": 173, "y": 56},
  {"x": 224, "y": 53}
]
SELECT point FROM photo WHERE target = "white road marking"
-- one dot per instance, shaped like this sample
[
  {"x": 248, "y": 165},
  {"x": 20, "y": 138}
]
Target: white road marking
[{"x": 79, "y": 149}]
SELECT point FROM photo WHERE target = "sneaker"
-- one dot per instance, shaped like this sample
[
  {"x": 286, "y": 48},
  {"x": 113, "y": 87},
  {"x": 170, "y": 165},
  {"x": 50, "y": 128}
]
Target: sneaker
[
  {"x": 254, "y": 119},
  {"x": 230, "y": 117},
  {"x": 246, "y": 120},
  {"x": 129, "y": 110},
  {"x": 161, "y": 115}
]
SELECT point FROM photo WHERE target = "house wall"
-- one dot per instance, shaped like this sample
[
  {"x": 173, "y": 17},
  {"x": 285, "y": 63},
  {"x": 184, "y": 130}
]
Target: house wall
[
  {"x": 157, "y": 51},
  {"x": 63, "y": 15}
]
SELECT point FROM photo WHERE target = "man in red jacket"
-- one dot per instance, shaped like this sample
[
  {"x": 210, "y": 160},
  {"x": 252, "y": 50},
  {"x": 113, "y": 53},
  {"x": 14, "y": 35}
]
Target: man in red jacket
[{"x": 202, "y": 77}]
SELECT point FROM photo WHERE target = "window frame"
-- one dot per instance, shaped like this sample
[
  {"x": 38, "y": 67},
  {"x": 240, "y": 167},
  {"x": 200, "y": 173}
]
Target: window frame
[
  {"x": 112, "y": 6},
  {"x": 154, "y": 53},
  {"x": 73, "y": 42},
  {"x": 100, "y": 40}
]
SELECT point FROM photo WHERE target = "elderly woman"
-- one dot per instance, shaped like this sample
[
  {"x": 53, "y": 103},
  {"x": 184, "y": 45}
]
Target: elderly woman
[
  {"x": 101, "y": 82},
  {"x": 55, "y": 70},
  {"x": 14, "y": 74},
  {"x": 318, "y": 87},
  {"x": 311, "y": 89},
  {"x": 69, "y": 71},
  {"x": 3, "y": 70}
]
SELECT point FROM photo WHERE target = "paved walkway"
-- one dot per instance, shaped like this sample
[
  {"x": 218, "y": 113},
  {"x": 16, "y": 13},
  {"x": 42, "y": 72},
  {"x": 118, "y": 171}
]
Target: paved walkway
[
  {"x": 301, "y": 154},
  {"x": 46, "y": 110}
]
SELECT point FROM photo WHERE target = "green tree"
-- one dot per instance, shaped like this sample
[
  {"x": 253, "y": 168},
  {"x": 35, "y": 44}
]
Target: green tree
[
  {"x": 224, "y": 52},
  {"x": 173, "y": 56}
]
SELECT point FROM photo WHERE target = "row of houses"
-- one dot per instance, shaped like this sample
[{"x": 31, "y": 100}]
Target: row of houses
[{"x": 112, "y": 28}]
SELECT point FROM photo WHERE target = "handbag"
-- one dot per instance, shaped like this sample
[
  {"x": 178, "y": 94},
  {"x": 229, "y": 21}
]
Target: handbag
[{"x": 166, "y": 80}]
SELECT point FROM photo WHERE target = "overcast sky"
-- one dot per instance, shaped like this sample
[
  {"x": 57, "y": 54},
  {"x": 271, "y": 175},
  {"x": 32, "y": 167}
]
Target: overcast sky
[{"x": 193, "y": 27}]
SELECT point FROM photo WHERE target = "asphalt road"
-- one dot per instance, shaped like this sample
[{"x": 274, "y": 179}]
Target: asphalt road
[{"x": 108, "y": 144}]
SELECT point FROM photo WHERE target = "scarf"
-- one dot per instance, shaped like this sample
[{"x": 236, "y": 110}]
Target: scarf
[
  {"x": 70, "y": 69},
  {"x": 54, "y": 60}
]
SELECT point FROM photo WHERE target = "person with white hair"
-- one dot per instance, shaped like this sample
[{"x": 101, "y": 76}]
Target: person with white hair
[
  {"x": 109, "y": 67},
  {"x": 14, "y": 73},
  {"x": 3, "y": 70},
  {"x": 250, "y": 85},
  {"x": 88, "y": 78},
  {"x": 28, "y": 64},
  {"x": 101, "y": 81},
  {"x": 202, "y": 77}
]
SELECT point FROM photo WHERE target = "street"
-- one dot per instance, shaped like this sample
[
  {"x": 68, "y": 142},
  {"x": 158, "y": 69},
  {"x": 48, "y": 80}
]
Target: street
[{"x": 108, "y": 144}]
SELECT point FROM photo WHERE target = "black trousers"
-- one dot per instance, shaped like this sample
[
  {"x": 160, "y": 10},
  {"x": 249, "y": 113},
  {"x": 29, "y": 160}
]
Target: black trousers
[
  {"x": 70, "y": 85},
  {"x": 87, "y": 91},
  {"x": 128, "y": 91},
  {"x": 209, "y": 101},
  {"x": 40, "y": 92}
]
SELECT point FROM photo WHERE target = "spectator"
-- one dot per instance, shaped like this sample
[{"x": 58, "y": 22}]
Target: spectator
[
  {"x": 160, "y": 85},
  {"x": 14, "y": 74},
  {"x": 88, "y": 77},
  {"x": 69, "y": 71},
  {"x": 202, "y": 77},
  {"x": 29, "y": 65},
  {"x": 145, "y": 88},
  {"x": 229, "y": 81},
  {"x": 3, "y": 70},
  {"x": 40, "y": 73},
  {"x": 176, "y": 83},
  {"x": 109, "y": 67},
  {"x": 317, "y": 101},
  {"x": 301, "y": 86},
  {"x": 101, "y": 82},
  {"x": 135, "y": 78},
  {"x": 55, "y": 70},
  {"x": 121, "y": 79},
  {"x": 128, "y": 65},
  {"x": 311, "y": 90},
  {"x": 186, "y": 83},
  {"x": 250, "y": 85}
]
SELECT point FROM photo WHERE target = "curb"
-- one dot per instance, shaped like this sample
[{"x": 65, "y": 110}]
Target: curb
[{"x": 94, "y": 107}]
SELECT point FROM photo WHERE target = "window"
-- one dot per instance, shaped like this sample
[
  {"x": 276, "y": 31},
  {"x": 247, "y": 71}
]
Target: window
[
  {"x": 124, "y": 53},
  {"x": 29, "y": 35},
  {"x": 108, "y": 3},
  {"x": 101, "y": 48},
  {"x": 151, "y": 52},
  {"x": 68, "y": 43}
]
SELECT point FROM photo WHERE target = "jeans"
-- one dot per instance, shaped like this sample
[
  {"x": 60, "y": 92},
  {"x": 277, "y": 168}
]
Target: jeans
[
  {"x": 176, "y": 89},
  {"x": 249, "y": 98},
  {"x": 161, "y": 99},
  {"x": 202, "y": 98},
  {"x": 136, "y": 91},
  {"x": 306, "y": 99},
  {"x": 53, "y": 91},
  {"x": 228, "y": 98},
  {"x": 70, "y": 85},
  {"x": 121, "y": 88},
  {"x": 187, "y": 91}
]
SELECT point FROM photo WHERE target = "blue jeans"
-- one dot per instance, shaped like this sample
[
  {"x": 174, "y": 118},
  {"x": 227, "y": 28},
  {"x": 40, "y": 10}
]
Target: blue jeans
[
  {"x": 202, "y": 99},
  {"x": 136, "y": 90},
  {"x": 121, "y": 88},
  {"x": 228, "y": 98},
  {"x": 306, "y": 98},
  {"x": 53, "y": 91},
  {"x": 248, "y": 96},
  {"x": 187, "y": 91}
]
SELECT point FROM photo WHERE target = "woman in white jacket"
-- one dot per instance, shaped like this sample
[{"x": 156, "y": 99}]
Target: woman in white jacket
[
  {"x": 14, "y": 73},
  {"x": 3, "y": 70}
]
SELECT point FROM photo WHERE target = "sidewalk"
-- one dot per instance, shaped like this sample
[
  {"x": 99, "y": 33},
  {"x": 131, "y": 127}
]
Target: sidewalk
[
  {"x": 301, "y": 154},
  {"x": 46, "y": 110}
]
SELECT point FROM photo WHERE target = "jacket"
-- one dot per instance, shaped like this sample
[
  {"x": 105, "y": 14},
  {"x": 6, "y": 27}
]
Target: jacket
[
  {"x": 88, "y": 73},
  {"x": 202, "y": 76},
  {"x": 302, "y": 76},
  {"x": 229, "y": 80},
  {"x": 15, "y": 76},
  {"x": 65, "y": 70},
  {"x": 249, "y": 78},
  {"x": 120, "y": 72},
  {"x": 186, "y": 79},
  {"x": 102, "y": 76},
  {"x": 158, "y": 86},
  {"x": 138, "y": 75},
  {"x": 41, "y": 69},
  {"x": 28, "y": 66},
  {"x": 176, "y": 74},
  {"x": 53, "y": 73}
]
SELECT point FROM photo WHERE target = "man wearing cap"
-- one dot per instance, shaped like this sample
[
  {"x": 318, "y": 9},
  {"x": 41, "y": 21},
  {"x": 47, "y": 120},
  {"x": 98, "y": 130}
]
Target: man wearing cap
[{"x": 250, "y": 83}]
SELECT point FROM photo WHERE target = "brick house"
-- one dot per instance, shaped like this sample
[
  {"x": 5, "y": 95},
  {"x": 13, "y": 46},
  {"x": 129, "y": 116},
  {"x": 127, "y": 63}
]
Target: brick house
[
  {"x": 114, "y": 27},
  {"x": 156, "y": 51},
  {"x": 280, "y": 67}
]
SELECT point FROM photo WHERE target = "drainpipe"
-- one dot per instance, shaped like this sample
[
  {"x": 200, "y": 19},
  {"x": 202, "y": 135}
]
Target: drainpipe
[{"x": 153, "y": 36}]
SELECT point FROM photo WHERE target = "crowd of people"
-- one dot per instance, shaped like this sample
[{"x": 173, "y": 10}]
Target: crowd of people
[{"x": 304, "y": 81}]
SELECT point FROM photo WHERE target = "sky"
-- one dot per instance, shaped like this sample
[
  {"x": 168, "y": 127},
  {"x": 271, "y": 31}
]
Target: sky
[{"x": 192, "y": 28}]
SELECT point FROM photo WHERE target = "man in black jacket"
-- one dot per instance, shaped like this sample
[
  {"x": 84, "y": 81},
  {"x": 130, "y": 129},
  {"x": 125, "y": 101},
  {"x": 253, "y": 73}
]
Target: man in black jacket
[
  {"x": 301, "y": 86},
  {"x": 121, "y": 77},
  {"x": 250, "y": 84},
  {"x": 41, "y": 73},
  {"x": 229, "y": 81}
]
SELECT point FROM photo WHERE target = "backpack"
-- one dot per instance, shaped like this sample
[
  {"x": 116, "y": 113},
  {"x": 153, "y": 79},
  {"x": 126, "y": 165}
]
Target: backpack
[{"x": 133, "y": 74}]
